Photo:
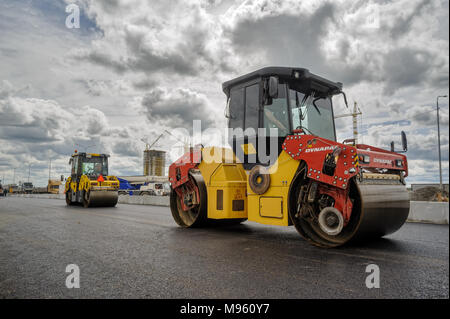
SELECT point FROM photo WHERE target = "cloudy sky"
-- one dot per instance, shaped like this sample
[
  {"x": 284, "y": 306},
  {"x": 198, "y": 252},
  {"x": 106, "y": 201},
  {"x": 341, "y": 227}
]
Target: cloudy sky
[{"x": 135, "y": 68}]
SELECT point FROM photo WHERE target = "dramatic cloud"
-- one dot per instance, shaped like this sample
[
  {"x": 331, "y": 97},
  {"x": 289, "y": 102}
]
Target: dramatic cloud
[
  {"x": 295, "y": 37},
  {"x": 149, "y": 38},
  {"x": 33, "y": 131},
  {"x": 176, "y": 108}
]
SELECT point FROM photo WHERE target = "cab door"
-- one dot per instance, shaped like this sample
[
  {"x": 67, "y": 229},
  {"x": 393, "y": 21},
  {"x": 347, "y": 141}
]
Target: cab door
[{"x": 245, "y": 111}]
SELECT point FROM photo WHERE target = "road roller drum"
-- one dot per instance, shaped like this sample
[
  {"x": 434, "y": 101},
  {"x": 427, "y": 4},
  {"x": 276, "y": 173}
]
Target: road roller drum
[{"x": 104, "y": 198}]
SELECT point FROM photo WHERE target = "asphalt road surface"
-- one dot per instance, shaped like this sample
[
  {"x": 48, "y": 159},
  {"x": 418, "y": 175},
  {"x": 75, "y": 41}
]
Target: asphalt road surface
[{"x": 134, "y": 251}]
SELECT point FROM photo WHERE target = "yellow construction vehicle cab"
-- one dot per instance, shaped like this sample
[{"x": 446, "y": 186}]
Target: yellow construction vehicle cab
[
  {"x": 89, "y": 183},
  {"x": 286, "y": 168},
  {"x": 53, "y": 185}
]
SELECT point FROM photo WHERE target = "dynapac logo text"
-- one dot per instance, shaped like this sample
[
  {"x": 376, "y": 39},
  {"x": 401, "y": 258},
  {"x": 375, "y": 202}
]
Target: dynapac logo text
[
  {"x": 319, "y": 149},
  {"x": 383, "y": 161}
]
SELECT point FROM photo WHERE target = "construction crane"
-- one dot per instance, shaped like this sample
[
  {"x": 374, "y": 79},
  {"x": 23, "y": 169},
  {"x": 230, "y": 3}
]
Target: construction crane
[
  {"x": 186, "y": 145},
  {"x": 149, "y": 146},
  {"x": 354, "y": 115},
  {"x": 330, "y": 192}
]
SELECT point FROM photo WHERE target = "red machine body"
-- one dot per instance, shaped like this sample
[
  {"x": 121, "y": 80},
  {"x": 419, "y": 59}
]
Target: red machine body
[
  {"x": 377, "y": 158},
  {"x": 179, "y": 177},
  {"x": 349, "y": 161},
  {"x": 313, "y": 150}
]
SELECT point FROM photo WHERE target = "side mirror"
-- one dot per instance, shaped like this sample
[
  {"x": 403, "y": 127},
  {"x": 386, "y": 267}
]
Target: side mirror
[
  {"x": 62, "y": 178},
  {"x": 273, "y": 87},
  {"x": 345, "y": 98},
  {"x": 227, "y": 109},
  {"x": 404, "y": 142}
]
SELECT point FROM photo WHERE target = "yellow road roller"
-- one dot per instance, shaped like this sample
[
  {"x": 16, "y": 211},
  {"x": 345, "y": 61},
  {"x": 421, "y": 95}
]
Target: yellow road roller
[
  {"x": 89, "y": 183},
  {"x": 285, "y": 166}
]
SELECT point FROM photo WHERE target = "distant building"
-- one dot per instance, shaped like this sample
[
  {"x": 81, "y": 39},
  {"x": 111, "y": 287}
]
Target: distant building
[{"x": 154, "y": 163}]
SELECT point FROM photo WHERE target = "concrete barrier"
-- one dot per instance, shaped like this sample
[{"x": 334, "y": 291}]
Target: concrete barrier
[
  {"x": 421, "y": 212},
  {"x": 428, "y": 212},
  {"x": 123, "y": 199},
  {"x": 144, "y": 200},
  {"x": 51, "y": 196}
]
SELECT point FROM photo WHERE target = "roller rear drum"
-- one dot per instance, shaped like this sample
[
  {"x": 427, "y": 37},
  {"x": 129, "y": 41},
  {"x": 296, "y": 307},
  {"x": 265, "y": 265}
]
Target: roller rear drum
[{"x": 197, "y": 215}]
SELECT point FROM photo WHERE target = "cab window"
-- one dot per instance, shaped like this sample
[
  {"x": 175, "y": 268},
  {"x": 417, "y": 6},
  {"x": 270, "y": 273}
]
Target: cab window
[
  {"x": 252, "y": 107},
  {"x": 75, "y": 165},
  {"x": 236, "y": 119},
  {"x": 92, "y": 168},
  {"x": 276, "y": 114},
  {"x": 305, "y": 115}
]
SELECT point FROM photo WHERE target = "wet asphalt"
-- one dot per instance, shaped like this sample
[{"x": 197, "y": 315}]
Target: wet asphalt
[{"x": 134, "y": 251}]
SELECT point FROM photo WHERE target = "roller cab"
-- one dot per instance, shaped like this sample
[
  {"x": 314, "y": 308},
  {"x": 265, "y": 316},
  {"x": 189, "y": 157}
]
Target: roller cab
[
  {"x": 286, "y": 168},
  {"x": 89, "y": 183}
]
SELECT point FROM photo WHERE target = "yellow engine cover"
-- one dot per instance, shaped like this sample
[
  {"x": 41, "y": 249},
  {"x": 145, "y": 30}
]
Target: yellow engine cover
[
  {"x": 271, "y": 208},
  {"x": 225, "y": 183},
  {"x": 230, "y": 196}
]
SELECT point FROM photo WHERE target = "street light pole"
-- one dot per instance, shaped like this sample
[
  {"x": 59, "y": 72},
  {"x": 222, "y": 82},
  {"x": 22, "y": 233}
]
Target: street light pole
[
  {"x": 439, "y": 141},
  {"x": 50, "y": 170}
]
